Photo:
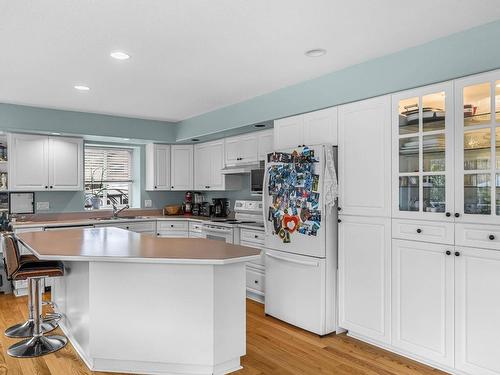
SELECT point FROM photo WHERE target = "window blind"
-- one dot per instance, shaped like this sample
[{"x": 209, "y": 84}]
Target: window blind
[{"x": 113, "y": 164}]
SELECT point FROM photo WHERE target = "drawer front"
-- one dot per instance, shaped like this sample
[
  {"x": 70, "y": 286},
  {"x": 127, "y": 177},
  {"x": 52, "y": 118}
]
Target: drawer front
[
  {"x": 195, "y": 227},
  {"x": 478, "y": 235},
  {"x": 172, "y": 234},
  {"x": 172, "y": 225},
  {"x": 255, "y": 280},
  {"x": 252, "y": 236},
  {"x": 143, "y": 227},
  {"x": 426, "y": 231}
]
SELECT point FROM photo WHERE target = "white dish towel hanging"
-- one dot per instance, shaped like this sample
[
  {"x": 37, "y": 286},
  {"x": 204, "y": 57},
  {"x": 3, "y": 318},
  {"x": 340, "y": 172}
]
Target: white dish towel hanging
[{"x": 331, "y": 186}]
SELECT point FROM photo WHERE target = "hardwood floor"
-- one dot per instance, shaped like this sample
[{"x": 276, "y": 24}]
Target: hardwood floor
[{"x": 273, "y": 347}]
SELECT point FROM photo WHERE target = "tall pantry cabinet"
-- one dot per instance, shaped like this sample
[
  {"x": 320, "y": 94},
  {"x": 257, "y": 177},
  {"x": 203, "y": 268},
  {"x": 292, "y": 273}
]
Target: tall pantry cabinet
[{"x": 364, "y": 217}]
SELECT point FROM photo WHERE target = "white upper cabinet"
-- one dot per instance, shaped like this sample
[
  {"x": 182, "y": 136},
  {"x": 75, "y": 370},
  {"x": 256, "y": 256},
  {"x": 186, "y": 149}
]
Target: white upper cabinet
[
  {"x": 65, "y": 163},
  {"x": 321, "y": 127},
  {"x": 288, "y": 132},
  {"x": 242, "y": 149},
  {"x": 208, "y": 164},
  {"x": 477, "y": 138},
  {"x": 365, "y": 157},
  {"x": 41, "y": 163},
  {"x": 364, "y": 276},
  {"x": 266, "y": 144},
  {"x": 422, "y": 136},
  {"x": 423, "y": 300},
  {"x": 182, "y": 167},
  {"x": 477, "y": 304},
  {"x": 157, "y": 167},
  {"x": 306, "y": 129}
]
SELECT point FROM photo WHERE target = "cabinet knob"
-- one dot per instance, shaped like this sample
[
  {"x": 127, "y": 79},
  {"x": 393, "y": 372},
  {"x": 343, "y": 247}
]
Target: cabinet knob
[
  {"x": 419, "y": 230},
  {"x": 491, "y": 237},
  {"x": 457, "y": 254},
  {"x": 339, "y": 221},
  {"x": 155, "y": 187},
  {"x": 448, "y": 252},
  {"x": 157, "y": 234},
  {"x": 127, "y": 227},
  {"x": 256, "y": 281},
  {"x": 457, "y": 214},
  {"x": 171, "y": 187},
  {"x": 171, "y": 225},
  {"x": 46, "y": 187},
  {"x": 51, "y": 186},
  {"x": 256, "y": 236},
  {"x": 448, "y": 214},
  {"x": 339, "y": 208}
]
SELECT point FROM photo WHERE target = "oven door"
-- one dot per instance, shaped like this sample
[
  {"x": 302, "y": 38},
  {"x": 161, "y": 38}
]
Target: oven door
[{"x": 218, "y": 233}]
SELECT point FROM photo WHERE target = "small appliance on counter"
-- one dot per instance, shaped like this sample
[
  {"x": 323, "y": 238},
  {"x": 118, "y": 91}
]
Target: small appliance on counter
[
  {"x": 221, "y": 207},
  {"x": 187, "y": 206},
  {"x": 197, "y": 205},
  {"x": 206, "y": 209}
]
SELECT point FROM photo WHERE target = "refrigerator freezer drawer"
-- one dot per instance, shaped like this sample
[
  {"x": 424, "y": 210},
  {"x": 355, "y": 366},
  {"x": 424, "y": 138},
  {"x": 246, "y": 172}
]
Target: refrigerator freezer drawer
[{"x": 296, "y": 291}]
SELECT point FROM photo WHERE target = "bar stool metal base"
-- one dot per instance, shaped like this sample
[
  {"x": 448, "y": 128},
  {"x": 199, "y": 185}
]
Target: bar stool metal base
[
  {"x": 27, "y": 329},
  {"x": 37, "y": 346}
]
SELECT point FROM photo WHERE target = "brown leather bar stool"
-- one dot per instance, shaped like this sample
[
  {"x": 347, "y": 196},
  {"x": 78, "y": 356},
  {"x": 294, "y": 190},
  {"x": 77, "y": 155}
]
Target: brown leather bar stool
[{"x": 31, "y": 269}]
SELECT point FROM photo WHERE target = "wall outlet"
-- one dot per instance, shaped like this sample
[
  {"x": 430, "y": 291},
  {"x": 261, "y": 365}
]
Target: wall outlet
[
  {"x": 42, "y": 206},
  {"x": 148, "y": 203}
]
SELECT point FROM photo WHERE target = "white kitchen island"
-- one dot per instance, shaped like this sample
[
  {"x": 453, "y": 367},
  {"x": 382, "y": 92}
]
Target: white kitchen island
[{"x": 139, "y": 304}]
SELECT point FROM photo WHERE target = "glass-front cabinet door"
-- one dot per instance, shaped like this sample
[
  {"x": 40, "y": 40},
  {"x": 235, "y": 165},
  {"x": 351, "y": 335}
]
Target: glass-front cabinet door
[
  {"x": 477, "y": 181},
  {"x": 422, "y": 136}
]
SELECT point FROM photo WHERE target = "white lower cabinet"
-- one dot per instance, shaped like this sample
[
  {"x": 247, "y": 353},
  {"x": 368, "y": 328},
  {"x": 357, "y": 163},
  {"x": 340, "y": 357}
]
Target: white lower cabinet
[
  {"x": 172, "y": 228},
  {"x": 477, "y": 311},
  {"x": 255, "y": 270},
  {"x": 364, "y": 276},
  {"x": 422, "y": 299}
]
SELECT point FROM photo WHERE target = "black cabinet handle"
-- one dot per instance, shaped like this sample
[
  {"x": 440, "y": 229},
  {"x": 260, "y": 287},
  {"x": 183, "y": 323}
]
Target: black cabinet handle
[
  {"x": 448, "y": 214},
  {"x": 491, "y": 237},
  {"x": 419, "y": 230},
  {"x": 457, "y": 254},
  {"x": 339, "y": 221},
  {"x": 448, "y": 252},
  {"x": 339, "y": 208},
  {"x": 457, "y": 214}
]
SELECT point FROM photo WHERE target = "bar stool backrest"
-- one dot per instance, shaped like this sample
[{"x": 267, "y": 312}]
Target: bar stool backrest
[{"x": 11, "y": 254}]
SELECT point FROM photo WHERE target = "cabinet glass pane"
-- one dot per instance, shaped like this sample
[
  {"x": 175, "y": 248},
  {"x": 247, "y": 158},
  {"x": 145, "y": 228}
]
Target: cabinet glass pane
[
  {"x": 434, "y": 152},
  {"x": 497, "y": 100},
  {"x": 409, "y": 154},
  {"x": 477, "y": 104},
  {"x": 408, "y": 193},
  {"x": 433, "y": 111},
  {"x": 477, "y": 194},
  {"x": 434, "y": 193},
  {"x": 497, "y": 193},
  {"x": 408, "y": 116},
  {"x": 497, "y": 147},
  {"x": 477, "y": 149}
]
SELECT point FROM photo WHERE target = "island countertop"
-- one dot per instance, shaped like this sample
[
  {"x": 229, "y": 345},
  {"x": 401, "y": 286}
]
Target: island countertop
[{"x": 120, "y": 245}]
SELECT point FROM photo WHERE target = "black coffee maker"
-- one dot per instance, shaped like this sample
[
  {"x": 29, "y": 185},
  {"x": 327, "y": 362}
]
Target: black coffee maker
[{"x": 220, "y": 207}]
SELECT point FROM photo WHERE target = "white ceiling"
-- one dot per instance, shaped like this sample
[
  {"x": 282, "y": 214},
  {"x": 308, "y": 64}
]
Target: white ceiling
[{"x": 193, "y": 56}]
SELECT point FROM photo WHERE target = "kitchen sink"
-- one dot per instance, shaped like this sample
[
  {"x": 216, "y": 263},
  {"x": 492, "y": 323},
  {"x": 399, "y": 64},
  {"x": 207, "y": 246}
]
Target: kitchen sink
[{"x": 122, "y": 218}]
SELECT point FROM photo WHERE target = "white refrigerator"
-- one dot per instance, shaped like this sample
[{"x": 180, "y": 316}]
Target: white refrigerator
[{"x": 301, "y": 238}]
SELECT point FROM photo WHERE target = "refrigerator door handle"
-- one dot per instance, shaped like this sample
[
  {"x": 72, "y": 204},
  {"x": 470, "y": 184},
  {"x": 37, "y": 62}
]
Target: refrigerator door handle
[
  {"x": 302, "y": 262},
  {"x": 265, "y": 192}
]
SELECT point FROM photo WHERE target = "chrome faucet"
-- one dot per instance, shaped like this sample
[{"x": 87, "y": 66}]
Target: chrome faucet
[{"x": 116, "y": 211}]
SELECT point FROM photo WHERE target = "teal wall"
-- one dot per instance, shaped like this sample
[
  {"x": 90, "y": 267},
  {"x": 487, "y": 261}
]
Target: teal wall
[
  {"x": 472, "y": 51},
  {"x": 32, "y": 119}
]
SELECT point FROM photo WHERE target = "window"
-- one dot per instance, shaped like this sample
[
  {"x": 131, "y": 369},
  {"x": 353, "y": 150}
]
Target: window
[{"x": 108, "y": 176}]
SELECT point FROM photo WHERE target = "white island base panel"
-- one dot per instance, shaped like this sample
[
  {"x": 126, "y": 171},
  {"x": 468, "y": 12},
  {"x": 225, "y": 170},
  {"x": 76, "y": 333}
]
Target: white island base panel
[{"x": 154, "y": 318}]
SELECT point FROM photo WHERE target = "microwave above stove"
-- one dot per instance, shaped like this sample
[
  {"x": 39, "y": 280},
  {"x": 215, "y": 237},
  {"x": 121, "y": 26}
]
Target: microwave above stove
[{"x": 256, "y": 180}]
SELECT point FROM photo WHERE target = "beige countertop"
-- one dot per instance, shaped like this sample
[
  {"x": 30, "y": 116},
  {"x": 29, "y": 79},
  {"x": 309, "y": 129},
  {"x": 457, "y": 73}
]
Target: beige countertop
[
  {"x": 119, "y": 245},
  {"x": 92, "y": 221}
]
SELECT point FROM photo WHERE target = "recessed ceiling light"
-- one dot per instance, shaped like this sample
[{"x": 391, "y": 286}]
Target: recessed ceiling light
[
  {"x": 119, "y": 55},
  {"x": 498, "y": 85},
  {"x": 317, "y": 52},
  {"x": 126, "y": 139},
  {"x": 195, "y": 140},
  {"x": 55, "y": 133},
  {"x": 260, "y": 125},
  {"x": 81, "y": 88}
]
